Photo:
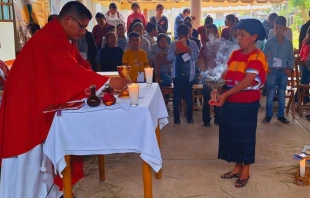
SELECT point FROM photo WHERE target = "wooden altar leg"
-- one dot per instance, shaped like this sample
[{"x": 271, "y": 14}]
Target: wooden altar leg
[
  {"x": 158, "y": 175},
  {"x": 101, "y": 167},
  {"x": 67, "y": 178},
  {"x": 147, "y": 180}
]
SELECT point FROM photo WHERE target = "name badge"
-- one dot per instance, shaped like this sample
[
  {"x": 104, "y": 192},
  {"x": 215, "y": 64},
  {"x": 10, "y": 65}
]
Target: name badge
[
  {"x": 140, "y": 77},
  {"x": 277, "y": 62},
  {"x": 186, "y": 57}
]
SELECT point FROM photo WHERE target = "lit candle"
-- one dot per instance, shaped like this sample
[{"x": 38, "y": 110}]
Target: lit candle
[
  {"x": 148, "y": 74},
  {"x": 133, "y": 89},
  {"x": 302, "y": 164}
]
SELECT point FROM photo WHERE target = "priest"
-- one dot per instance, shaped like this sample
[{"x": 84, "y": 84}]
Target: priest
[{"x": 48, "y": 70}]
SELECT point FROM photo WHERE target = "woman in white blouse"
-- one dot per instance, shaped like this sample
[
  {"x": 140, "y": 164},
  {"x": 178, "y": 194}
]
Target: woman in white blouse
[{"x": 113, "y": 16}]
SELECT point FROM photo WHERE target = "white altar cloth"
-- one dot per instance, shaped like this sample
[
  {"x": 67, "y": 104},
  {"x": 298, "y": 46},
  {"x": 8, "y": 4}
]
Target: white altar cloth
[{"x": 109, "y": 131}]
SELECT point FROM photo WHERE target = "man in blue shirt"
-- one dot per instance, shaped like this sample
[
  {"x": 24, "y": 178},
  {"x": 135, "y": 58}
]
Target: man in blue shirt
[
  {"x": 179, "y": 19},
  {"x": 280, "y": 55},
  {"x": 183, "y": 72}
]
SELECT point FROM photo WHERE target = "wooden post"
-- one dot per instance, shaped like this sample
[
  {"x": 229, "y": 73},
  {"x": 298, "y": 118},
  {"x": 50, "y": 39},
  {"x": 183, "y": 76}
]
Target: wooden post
[
  {"x": 158, "y": 175},
  {"x": 147, "y": 180},
  {"x": 101, "y": 167},
  {"x": 67, "y": 178},
  {"x": 146, "y": 14}
]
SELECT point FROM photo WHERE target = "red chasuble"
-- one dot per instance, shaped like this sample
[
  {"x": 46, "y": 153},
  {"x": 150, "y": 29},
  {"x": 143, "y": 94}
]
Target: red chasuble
[{"x": 48, "y": 70}]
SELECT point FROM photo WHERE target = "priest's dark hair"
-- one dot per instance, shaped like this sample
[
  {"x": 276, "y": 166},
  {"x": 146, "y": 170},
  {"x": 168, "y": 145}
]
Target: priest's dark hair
[{"x": 75, "y": 9}]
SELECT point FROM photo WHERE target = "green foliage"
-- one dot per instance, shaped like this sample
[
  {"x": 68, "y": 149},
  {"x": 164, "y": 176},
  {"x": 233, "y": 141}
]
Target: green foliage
[{"x": 302, "y": 7}]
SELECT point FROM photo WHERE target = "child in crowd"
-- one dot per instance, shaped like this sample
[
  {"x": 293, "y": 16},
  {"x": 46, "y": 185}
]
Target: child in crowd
[
  {"x": 207, "y": 59},
  {"x": 144, "y": 44},
  {"x": 121, "y": 38},
  {"x": 280, "y": 55},
  {"x": 161, "y": 31},
  {"x": 151, "y": 33},
  {"x": 130, "y": 28},
  {"x": 111, "y": 55},
  {"x": 161, "y": 49},
  {"x": 183, "y": 72},
  {"x": 135, "y": 57},
  {"x": 111, "y": 28}
]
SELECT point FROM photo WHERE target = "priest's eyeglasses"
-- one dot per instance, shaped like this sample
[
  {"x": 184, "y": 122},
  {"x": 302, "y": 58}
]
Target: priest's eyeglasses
[{"x": 81, "y": 26}]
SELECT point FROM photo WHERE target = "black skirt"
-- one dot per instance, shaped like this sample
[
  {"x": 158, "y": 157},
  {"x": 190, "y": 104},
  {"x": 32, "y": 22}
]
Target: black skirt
[{"x": 237, "y": 136}]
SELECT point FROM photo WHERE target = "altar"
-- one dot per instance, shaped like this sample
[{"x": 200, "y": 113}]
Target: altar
[{"x": 108, "y": 130}]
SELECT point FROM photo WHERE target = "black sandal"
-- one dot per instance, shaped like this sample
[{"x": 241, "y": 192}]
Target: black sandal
[
  {"x": 241, "y": 182},
  {"x": 230, "y": 176}
]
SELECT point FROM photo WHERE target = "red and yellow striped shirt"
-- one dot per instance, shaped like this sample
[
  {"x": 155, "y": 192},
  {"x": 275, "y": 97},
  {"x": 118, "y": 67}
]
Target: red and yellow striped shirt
[{"x": 238, "y": 65}]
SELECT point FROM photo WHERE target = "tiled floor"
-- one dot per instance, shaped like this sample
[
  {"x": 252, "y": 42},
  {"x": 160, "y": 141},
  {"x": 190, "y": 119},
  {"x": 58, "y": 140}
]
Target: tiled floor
[{"x": 191, "y": 168}]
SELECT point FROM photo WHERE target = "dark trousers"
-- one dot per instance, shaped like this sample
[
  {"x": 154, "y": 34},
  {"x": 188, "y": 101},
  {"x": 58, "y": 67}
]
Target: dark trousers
[
  {"x": 206, "y": 117},
  {"x": 182, "y": 86}
]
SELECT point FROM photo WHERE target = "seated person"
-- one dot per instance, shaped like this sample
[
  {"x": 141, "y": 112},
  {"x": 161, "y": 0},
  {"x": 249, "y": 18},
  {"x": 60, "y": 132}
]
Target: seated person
[
  {"x": 135, "y": 57},
  {"x": 207, "y": 58},
  {"x": 110, "y": 28},
  {"x": 151, "y": 33},
  {"x": 130, "y": 28},
  {"x": 111, "y": 55},
  {"x": 183, "y": 72},
  {"x": 121, "y": 38},
  {"x": 162, "y": 31},
  {"x": 161, "y": 49}
]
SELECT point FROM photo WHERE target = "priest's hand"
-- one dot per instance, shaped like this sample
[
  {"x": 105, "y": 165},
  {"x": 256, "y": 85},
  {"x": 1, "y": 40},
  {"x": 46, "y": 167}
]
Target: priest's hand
[{"x": 118, "y": 83}]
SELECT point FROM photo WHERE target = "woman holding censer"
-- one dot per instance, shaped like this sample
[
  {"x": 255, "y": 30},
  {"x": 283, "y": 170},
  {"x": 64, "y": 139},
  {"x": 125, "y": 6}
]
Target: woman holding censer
[{"x": 246, "y": 74}]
